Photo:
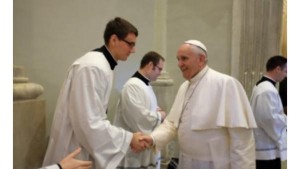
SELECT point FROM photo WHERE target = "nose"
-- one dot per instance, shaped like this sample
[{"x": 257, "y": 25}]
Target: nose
[
  {"x": 132, "y": 50},
  {"x": 179, "y": 63}
]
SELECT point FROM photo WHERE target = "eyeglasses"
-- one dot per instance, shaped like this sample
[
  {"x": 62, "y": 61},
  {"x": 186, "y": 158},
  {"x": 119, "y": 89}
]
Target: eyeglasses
[
  {"x": 130, "y": 44},
  {"x": 159, "y": 68}
]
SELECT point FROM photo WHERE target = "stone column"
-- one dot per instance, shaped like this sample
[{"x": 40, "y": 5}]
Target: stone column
[
  {"x": 256, "y": 32},
  {"x": 163, "y": 90},
  {"x": 29, "y": 125},
  {"x": 163, "y": 85}
]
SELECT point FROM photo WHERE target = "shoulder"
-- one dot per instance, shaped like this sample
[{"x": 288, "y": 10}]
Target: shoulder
[
  {"x": 134, "y": 83},
  {"x": 265, "y": 87},
  {"x": 222, "y": 78},
  {"x": 93, "y": 61}
]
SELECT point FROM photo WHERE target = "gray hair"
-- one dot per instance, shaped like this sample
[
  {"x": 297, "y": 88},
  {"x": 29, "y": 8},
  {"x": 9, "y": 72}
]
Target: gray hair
[{"x": 198, "y": 48}]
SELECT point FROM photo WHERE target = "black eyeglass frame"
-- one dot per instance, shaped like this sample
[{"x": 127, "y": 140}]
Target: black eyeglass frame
[
  {"x": 159, "y": 68},
  {"x": 131, "y": 44}
]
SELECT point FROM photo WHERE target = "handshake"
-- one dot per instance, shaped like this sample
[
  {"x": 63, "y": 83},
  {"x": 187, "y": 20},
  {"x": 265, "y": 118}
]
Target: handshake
[{"x": 140, "y": 142}]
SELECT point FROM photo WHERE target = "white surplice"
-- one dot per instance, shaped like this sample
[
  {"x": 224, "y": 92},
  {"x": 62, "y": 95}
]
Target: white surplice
[
  {"x": 80, "y": 118},
  {"x": 137, "y": 111},
  {"x": 271, "y": 133},
  {"x": 213, "y": 121}
]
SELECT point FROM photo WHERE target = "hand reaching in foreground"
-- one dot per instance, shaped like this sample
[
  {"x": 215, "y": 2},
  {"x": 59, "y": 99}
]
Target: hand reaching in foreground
[
  {"x": 69, "y": 162},
  {"x": 137, "y": 145}
]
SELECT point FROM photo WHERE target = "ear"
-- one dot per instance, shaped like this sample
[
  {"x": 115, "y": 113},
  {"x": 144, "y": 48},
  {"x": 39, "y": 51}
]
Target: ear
[
  {"x": 278, "y": 68},
  {"x": 113, "y": 39},
  {"x": 151, "y": 64},
  {"x": 201, "y": 59}
]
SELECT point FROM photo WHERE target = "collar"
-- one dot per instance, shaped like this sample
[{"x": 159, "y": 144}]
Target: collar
[
  {"x": 141, "y": 77},
  {"x": 265, "y": 78},
  {"x": 199, "y": 75},
  {"x": 112, "y": 62}
]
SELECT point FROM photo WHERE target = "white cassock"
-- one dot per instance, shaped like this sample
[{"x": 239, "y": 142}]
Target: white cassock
[
  {"x": 213, "y": 121},
  {"x": 137, "y": 111},
  {"x": 271, "y": 132},
  {"x": 80, "y": 116}
]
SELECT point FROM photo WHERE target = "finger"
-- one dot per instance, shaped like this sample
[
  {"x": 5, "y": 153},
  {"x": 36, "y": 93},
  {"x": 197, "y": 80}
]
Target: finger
[
  {"x": 145, "y": 145},
  {"x": 86, "y": 167},
  {"x": 74, "y": 153},
  {"x": 142, "y": 138},
  {"x": 142, "y": 146},
  {"x": 86, "y": 163},
  {"x": 138, "y": 133}
]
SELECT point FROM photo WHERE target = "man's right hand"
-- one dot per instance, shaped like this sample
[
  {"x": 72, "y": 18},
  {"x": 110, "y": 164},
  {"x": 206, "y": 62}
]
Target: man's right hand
[
  {"x": 147, "y": 140},
  {"x": 137, "y": 145}
]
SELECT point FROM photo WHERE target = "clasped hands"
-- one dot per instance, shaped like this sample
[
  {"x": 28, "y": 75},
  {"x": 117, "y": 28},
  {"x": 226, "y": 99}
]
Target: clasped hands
[{"x": 140, "y": 142}]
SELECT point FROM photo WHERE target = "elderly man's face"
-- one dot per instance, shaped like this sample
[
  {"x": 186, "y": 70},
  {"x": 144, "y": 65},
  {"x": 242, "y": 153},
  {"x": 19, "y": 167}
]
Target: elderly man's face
[{"x": 189, "y": 62}]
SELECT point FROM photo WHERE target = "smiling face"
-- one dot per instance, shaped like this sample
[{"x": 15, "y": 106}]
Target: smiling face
[{"x": 190, "y": 61}]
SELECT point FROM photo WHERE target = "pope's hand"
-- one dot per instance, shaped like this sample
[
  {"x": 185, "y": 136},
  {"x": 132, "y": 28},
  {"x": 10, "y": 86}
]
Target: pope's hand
[
  {"x": 137, "y": 145},
  {"x": 147, "y": 140}
]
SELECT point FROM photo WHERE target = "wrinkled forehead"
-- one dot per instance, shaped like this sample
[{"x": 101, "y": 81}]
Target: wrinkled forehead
[{"x": 185, "y": 50}]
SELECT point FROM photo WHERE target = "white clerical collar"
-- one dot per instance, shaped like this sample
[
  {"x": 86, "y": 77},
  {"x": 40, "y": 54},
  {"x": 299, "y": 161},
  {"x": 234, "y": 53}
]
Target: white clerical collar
[
  {"x": 270, "y": 78},
  {"x": 199, "y": 75}
]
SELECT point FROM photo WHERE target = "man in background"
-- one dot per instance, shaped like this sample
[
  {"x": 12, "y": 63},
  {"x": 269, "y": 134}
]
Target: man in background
[
  {"x": 138, "y": 110},
  {"x": 271, "y": 132},
  {"x": 283, "y": 93}
]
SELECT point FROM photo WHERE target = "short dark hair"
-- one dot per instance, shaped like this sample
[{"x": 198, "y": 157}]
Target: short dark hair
[
  {"x": 275, "y": 61},
  {"x": 151, "y": 56},
  {"x": 119, "y": 27}
]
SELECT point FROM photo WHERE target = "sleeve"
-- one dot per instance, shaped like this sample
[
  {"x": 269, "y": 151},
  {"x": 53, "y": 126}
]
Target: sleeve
[
  {"x": 270, "y": 117},
  {"x": 163, "y": 134},
  {"x": 87, "y": 106},
  {"x": 135, "y": 109},
  {"x": 242, "y": 148},
  {"x": 55, "y": 166}
]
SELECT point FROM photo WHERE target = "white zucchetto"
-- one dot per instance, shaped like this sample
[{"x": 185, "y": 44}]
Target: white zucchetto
[{"x": 196, "y": 43}]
